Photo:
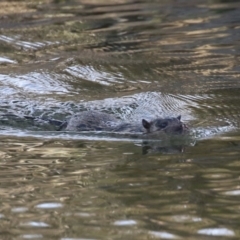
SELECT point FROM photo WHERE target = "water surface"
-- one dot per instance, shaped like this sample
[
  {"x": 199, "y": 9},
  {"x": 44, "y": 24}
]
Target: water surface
[{"x": 133, "y": 59}]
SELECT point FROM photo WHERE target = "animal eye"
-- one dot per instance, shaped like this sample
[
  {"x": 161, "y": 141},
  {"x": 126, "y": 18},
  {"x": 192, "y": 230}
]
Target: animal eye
[{"x": 162, "y": 124}]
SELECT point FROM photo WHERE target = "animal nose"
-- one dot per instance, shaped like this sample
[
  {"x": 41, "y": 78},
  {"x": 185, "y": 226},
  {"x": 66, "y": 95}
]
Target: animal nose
[{"x": 179, "y": 129}]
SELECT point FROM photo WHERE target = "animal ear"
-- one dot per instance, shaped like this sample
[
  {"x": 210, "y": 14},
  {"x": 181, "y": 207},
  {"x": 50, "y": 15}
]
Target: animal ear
[
  {"x": 179, "y": 117},
  {"x": 146, "y": 124}
]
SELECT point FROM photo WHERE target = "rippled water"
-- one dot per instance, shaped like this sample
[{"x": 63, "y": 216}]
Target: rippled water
[{"x": 133, "y": 59}]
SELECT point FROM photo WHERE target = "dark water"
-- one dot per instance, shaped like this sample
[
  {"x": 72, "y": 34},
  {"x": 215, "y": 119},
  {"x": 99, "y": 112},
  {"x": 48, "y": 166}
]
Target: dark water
[{"x": 134, "y": 59}]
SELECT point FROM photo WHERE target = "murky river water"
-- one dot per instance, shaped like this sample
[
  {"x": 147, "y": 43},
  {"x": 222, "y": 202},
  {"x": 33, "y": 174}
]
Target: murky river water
[{"x": 134, "y": 59}]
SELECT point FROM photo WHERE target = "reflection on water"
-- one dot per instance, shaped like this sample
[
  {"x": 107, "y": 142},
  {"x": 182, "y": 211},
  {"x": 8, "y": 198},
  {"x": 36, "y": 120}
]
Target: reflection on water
[
  {"x": 92, "y": 189},
  {"x": 133, "y": 59}
]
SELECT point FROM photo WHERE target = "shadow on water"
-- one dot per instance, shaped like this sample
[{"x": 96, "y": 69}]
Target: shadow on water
[{"x": 135, "y": 60}]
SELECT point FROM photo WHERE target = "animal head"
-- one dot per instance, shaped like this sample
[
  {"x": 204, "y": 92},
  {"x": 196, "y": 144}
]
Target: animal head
[{"x": 168, "y": 125}]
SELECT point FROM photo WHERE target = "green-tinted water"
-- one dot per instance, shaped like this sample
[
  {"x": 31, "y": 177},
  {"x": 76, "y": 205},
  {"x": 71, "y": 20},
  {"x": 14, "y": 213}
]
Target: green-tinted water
[{"x": 134, "y": 59}]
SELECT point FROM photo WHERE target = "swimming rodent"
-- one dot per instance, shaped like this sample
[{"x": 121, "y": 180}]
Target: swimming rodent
[{"x": 98, "y": 121}]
